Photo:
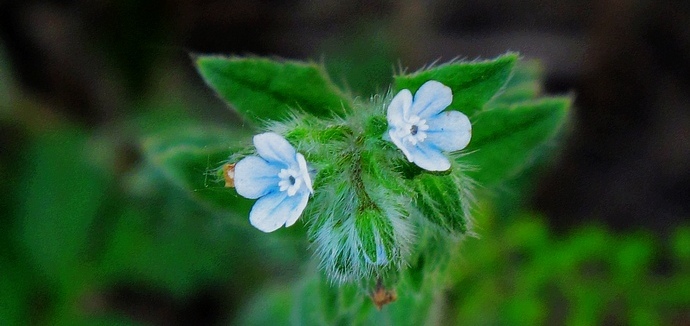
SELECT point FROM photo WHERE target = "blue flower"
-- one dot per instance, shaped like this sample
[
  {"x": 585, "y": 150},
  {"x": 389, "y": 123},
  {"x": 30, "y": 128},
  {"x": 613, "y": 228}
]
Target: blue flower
[
  {"x": 422, "y": 131},
  {"x": 278, "y": 177}
]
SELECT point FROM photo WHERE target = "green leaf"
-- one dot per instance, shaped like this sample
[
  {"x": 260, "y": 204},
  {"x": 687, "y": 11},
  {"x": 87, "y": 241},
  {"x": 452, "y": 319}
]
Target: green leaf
[
  {"x": 262, "y": 89},
  {"x": 163, "y": 238},
  {"x": 443, "y": 200},
  {"x": 377, "y": 238},
  {"x": 506, "y": 138},
  {"x": 473, "y": 83},
  {"x": 360, "y": 244},
  {"x": 523, "y": 85},
  {"x": 314, "y": 300},
  {"x": 190, "y": 158},
  {"x": 513, "y": 192}
]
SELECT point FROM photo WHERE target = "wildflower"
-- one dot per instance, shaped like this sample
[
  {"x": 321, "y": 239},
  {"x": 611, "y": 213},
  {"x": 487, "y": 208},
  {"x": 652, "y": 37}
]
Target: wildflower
[
  {"x": 422, "y": 131},
  {"x": 278, "y": 177}
]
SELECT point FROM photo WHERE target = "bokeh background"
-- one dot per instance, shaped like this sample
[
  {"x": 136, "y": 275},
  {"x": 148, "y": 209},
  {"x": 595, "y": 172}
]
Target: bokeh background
[{"x": 90, "y": 231}]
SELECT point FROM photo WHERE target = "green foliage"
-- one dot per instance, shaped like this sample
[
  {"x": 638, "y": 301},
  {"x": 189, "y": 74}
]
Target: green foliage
[
  {"x": 90, "y": 216},
  {"x": 377, "y": 236},
  {"x": 361, "y": 178},
  {"x": 596, "y": 276},
  {"x": 505, "y": 139},
  {"x": 314, "y": 301},
  {"x": 201, "y": 218},
  {"x": 444, "y": 199},
  {"x": 367, "y": 200},
  {"x": 516, "y": 273},
  {"x": 262, "y": 89},
  {"x": 354, "y": 219},
  {"x": 473, "y": 83},
  {"x": 186, "y": 158},
  {"x": 524, "y": 84}
]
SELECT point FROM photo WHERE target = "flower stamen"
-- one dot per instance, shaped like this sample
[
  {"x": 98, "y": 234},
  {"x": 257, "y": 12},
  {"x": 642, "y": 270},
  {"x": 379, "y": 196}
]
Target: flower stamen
[
  {"x": 290, "y": 181},
  {"x": 413, "y": 132}
]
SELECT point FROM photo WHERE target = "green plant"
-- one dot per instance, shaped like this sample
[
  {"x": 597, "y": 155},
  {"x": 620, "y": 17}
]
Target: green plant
[{"x": 374, "y": 211}]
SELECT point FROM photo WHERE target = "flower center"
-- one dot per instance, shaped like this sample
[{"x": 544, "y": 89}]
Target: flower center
[
  {"x": 290, "y": 181},
  {"x": 414, "y": 130}
]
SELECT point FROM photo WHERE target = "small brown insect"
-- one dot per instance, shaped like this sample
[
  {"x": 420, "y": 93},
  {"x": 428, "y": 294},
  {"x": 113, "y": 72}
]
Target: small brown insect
[
  {"x": 229, "y": 175},
  {"x": 382, "y": 296}
]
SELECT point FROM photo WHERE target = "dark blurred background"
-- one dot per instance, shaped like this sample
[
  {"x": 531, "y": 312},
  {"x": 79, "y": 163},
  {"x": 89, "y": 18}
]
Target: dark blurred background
[{"x": 625, "y": 163}]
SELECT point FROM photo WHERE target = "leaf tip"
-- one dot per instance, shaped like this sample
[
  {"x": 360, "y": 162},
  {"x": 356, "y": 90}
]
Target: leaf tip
[{"x": 509, "y": 59}]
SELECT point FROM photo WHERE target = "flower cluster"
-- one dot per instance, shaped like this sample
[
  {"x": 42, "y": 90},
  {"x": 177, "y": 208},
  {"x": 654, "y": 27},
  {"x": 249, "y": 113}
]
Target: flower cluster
[{"x": 279, "y": 176}]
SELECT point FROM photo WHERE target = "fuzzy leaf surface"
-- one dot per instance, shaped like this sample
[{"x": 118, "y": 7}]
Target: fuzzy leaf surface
[
  {"x": 473, "y": 83},
  {"x": 505, "y": 139},
  {"x": 263, "y": 89},
  {"x": 442, "y": 201},
  {"x": 524, "y": 84},
  {"x": 188, "y": 160}
]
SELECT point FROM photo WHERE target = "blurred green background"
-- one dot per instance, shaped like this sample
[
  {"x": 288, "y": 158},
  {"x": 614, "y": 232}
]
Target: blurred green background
[{"x": 96, "y": 229}]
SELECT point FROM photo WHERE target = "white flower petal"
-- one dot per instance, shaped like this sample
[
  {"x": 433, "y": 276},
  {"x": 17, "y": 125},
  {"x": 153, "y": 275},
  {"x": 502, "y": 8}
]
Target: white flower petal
[
  {"x": 449, "y": 131},
  {"x": 254, "y": 177},
  {"x": 275, "y": 149},
  {"x": 303, "y": 197},
  {"x": 265, "y": 214},
  {"x": 276, "y": 209},
  {"x": 430, "y": 99},
  {"x": 399, "y": 107},
  {"x": 429, "y": 157},
  {"x": 395, "y": 136},
  {"x": 305, "y": 172}
]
